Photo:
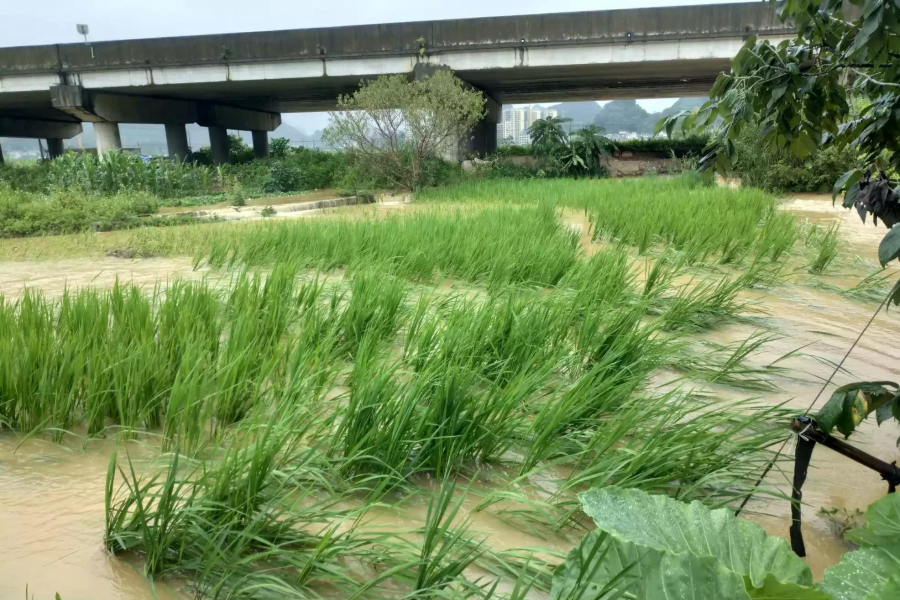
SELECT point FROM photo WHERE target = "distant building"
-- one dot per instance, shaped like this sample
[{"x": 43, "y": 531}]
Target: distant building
[{"x": 513, "y": 129}]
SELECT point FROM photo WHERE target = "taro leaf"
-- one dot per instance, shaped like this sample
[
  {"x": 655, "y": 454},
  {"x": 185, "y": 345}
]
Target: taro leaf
[
  {"x": 666, "y": 525},
  {"x": 882, "y": 524},
  {"x": 605, "y": 567},
  {"x": 866, "y": 574},
  {"x": 688, "y": 576},
  {"x": 594, "y": 566},
  {"x": 773, "y": 589},
  {"x": 851, "y": 403},
  {"x": 889, "y": 249}
]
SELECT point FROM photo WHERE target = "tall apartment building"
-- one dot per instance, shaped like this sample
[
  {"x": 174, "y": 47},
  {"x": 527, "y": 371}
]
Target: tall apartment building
[{"x": 513, "y": 129}]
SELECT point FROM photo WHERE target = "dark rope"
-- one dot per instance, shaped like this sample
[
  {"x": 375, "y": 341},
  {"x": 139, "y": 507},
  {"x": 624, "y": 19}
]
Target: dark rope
[{"x": 816, "y": 399}]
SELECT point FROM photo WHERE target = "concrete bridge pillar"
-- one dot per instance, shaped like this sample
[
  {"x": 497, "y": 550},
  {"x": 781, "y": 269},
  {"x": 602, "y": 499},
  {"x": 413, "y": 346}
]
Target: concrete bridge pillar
[
  {"x": 55, "y": 147},
  {"x": 482, "y": 140},
  {"x": 108, "y": 138},
  {"x": 218, "y": 144},
  {"x": 177, "y": 142},
  {"x": 260, "y": 143}
]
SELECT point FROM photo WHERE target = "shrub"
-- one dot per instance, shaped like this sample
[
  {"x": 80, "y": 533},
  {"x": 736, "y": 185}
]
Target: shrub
[
  {"x": 282, "y": 178},
  {"x": 278, "y": 147},
  {"x": 25, "y": 214},
  {"x": 679, "y": 147},
  {"x": 777, "y": 170}
]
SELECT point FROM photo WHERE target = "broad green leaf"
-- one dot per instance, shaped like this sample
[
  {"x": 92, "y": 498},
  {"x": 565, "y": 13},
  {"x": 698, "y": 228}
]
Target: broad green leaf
[
  {"x": 865, "y": 574},
  {"x": 682, "y": 576},
  {"x": 597, "y": 562},
  {"x": 889, "y": 249},
  {"x": 666, "y": 525},
  {"x": 847, "y": 179},
  {"x": 851, "y": 196},
  {"x": 772, "y": 589},
  {"x": 850, "y": 404},
  {"x": 882, "y": 524}
]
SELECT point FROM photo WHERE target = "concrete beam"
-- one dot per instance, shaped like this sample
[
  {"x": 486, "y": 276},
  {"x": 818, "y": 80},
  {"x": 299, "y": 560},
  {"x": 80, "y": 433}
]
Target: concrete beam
[
  {"x": 108, "y": 137},
  {"x": 260, "y": 143},
  {"x": 55, "y": 147},
  {"x": 36, "y": 128},
  {"x": 114, "y": 108},
  {"x": 98, "y": 107},
  {"x": 242, "y": 119}
]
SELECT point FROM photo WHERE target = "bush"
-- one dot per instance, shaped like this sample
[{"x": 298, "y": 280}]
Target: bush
[
  {"x": 777, "y": 170},
  {"x": 26, "y": 177},
  {"x": 679, "y": 147},
  {"x": 513, "y": 150},
  {"x": 501, "y": 168},
  {"x": 282, "y": 178},
  {"x": 279, "y": 147},
  {"x": 26, "y": 214}
]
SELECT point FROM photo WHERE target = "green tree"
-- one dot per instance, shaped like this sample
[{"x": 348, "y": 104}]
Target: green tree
[
  {"x": 548, "y": 134},
  {"x": 835, "y": 85},
  {"x": 391, "y": 126}
]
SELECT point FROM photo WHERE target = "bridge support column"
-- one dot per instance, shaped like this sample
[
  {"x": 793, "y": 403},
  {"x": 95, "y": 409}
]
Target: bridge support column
[
  {"x": 482, "y": 140},
  {"x": 108, "y": 138},
  {"x": 55, "y": 147},
  {"x": 1, "y": 155},
  {"x": 177, "y": 142},
  {"x": 260, "y": 143},
  {"x": 218, "y": 144}
]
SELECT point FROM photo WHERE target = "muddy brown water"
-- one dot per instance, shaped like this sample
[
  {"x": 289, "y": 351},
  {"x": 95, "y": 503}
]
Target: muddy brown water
[{"x": 51, "y": 495}]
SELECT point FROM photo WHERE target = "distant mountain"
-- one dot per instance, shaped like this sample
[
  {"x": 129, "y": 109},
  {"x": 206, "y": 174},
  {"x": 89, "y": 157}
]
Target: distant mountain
[
  {"x": 683, "y": 104},
  {"x": 619, "y": 115},
  {"x": 581, "y": 113}
]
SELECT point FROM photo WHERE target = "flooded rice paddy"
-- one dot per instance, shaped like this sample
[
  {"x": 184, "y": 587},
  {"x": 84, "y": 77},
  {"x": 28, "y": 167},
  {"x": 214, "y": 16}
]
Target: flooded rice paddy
[{"x": 51, "y": 495}]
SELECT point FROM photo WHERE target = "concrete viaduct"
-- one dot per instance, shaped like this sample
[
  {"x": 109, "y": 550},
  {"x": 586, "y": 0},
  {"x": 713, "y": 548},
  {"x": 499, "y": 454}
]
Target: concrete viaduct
[{"x": 244, "y": 81}]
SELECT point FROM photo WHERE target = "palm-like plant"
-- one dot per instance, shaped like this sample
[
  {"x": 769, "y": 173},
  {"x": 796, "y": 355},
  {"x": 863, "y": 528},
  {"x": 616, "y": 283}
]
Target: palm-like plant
[
  {"x": 590, "y": 145},
  {"x": 548, "y": 134}
]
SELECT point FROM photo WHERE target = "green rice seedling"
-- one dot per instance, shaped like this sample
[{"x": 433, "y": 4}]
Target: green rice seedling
[
  {"x": 873, "y": 288},
  {"x": 823, "y": 245},
  {"x": 685, "y": 450},
  {"x": 663, "y": 272},
  {"x": 605, "y": 278},
  {"x": 729, "y": 364},
  {"x": 523, "y": 246},
  {"x": 702, "y": 221},
  {"x": 375, "y": 306},
  {"x": 700, "y": 306},
  {"x": 498, "y": 337},
  {"x": 779, "y": 234}
]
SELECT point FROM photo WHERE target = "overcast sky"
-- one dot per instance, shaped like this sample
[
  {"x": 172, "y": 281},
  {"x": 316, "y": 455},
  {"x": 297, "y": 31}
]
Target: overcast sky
[{"x": 53, "y": 21}]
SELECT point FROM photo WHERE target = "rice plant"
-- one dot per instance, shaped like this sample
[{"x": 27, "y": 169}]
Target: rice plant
[{"x": 822, "y": 244}]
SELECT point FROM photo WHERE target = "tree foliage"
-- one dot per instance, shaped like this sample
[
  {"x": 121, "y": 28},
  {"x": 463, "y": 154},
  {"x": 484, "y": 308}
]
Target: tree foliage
[
  {"x": 836, "y": 84},
  {"x": 392, "y": 125},
  {"x": 573, "y": 155}
]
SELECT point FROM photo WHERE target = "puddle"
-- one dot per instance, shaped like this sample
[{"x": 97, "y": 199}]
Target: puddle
[{"x": 51, "y": 508}]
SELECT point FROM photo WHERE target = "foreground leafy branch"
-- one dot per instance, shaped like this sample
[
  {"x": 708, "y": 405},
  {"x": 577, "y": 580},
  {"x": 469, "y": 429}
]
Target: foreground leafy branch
[{"x": 650, "y": 546}]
